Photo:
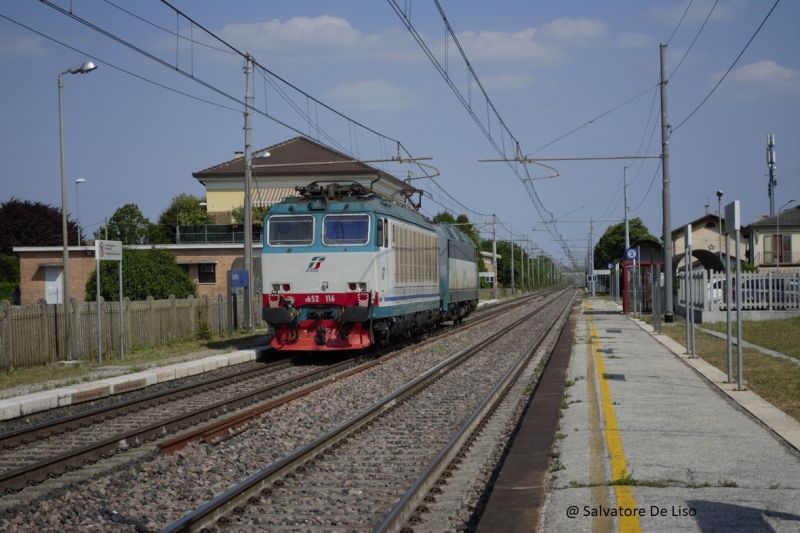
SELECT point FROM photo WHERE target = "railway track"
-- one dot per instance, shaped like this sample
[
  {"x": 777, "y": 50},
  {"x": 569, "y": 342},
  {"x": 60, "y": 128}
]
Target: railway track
[
  {"x": 35, "y": 453},
  {"x": 49, "y": 449},
  {"x": 375, "y": 471}
]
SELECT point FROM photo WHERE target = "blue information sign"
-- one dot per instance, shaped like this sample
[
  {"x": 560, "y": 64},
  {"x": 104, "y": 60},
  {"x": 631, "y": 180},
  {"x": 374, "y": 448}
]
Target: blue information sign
[
  {"x": 632, "y": 254},
  {"x": 239, "y": 278}
]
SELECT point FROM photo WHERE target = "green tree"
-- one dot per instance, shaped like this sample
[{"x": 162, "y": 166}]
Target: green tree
[
  {"x": 445, "y": 217},
  {"x": 26, "y": 223},
  {"x": 152, "y": 272},
  {"x": 127, "y": 224},
  {"x": 183, "y": 210},
  {"x": 259, "y": 212},
  {"x": 611, "y": 246},
  {"x": 130, "y": 226}
]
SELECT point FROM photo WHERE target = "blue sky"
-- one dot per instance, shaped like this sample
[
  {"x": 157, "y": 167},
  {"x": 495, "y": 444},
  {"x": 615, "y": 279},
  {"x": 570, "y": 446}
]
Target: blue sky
[{"x": 548, "y": 68}]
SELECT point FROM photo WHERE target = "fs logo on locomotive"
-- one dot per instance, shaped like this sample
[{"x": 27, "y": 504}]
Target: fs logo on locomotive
[{"x": 315, "y": 264}]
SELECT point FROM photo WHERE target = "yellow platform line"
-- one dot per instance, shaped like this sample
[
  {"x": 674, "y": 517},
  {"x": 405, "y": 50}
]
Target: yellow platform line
[{"x": 619, "y": 468}]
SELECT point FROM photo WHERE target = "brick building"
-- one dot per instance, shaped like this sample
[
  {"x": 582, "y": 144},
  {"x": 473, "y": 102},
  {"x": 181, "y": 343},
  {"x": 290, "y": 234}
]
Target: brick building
[{"x": 40, "y": 268}]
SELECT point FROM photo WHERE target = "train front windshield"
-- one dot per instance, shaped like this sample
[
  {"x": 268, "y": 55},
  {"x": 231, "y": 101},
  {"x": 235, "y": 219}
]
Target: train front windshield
[
  {"x": 340, "y": 230},
  {"x": 290, "y": 230}
]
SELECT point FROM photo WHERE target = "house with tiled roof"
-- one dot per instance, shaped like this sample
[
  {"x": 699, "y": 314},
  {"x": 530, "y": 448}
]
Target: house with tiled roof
[
  {"x": 776, "y": 240},
  {"x": 278, "y": 169},
  {"x": 710, "y": 243}
]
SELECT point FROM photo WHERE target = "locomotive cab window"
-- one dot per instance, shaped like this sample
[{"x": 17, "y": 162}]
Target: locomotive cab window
[
  {"x": 340, "y": 230},
  {"x": 290, "y": 230}
]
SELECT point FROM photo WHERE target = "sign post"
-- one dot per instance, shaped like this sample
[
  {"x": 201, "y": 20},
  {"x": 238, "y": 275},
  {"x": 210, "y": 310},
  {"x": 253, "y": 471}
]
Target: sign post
[
  {"x": 108, "y": 251},
  {"x": 732, "y": 223}
]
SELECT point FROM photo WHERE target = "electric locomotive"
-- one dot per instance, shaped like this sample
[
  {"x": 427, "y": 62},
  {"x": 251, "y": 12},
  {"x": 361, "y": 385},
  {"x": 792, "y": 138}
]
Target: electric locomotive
[{"x": 344, "y": 269}]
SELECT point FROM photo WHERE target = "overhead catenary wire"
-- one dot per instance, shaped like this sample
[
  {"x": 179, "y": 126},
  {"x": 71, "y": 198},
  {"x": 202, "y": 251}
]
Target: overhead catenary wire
[
  {"x": 466, "y": 101},
  {"x": 109, "y": 64},
  {"x": 209, "y": 85}
]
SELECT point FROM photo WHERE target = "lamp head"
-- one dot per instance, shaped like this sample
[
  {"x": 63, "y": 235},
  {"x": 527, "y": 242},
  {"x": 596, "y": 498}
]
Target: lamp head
[
  {"x": 719, "y": 194},
  {"x": 83, "y": 68},
  {"x": 79, "y": 181}
]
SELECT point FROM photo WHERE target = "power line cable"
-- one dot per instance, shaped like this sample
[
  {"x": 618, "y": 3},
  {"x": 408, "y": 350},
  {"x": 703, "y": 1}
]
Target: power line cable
[
  {"x": 592, "y": 121},
  {"x": 694, "y": 40},
  {"x": 729, "y": 68},
  {"x": 680, "y": 22},
  {"x": 118, "y": 68}
]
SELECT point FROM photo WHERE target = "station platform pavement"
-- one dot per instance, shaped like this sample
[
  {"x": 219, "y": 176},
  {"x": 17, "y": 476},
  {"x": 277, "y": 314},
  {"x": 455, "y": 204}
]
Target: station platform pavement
[
  {"x": 653, "y": 440},
  {"x": 15, "y": 406}
]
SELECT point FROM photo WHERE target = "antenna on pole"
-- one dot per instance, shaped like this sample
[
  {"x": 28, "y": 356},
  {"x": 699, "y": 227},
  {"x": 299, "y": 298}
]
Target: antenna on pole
[{"x": 772, "y": 168}]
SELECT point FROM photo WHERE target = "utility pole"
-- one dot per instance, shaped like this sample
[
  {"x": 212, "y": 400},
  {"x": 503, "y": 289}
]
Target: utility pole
[
  {"x": 512, "y": 259},
  {"x": 591, "y": 253},
  {"x": 627, "y": 229},
  {"x": 248, "y": 202},
  {"x": 772, "y": 168},
  {"x": 494, "y": 256},
  {"x": 665, "y": 194}
]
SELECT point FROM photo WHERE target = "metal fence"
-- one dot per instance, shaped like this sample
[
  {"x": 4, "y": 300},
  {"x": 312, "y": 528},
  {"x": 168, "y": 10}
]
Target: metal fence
[
  {"x": 768, "y": 291},
  {"x": 34, "y": 335}
]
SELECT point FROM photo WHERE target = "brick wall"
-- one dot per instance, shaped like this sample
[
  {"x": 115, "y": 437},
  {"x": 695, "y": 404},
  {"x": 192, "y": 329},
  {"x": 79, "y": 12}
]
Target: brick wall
[{"x": 33, "y": 266}]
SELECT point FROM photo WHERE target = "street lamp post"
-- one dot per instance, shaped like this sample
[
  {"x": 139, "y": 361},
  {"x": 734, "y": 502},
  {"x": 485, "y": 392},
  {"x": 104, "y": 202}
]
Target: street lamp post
[
  {"x": 78, "y": 208},
  {"x": 779, "y": 243},
  {"x": 83, "y": 68},
  {"x": 719, "y": 220}
]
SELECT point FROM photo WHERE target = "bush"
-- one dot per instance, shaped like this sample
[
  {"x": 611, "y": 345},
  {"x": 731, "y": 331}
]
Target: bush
[
  {"x": 152, "y": 272},
  {"x": 7, "y": 291},
  {"x": 9, "y": 269},
  {"x": 203, "y": 331}
]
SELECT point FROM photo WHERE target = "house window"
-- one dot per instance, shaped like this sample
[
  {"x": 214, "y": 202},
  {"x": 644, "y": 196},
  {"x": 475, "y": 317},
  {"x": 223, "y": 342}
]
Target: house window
[
  {"x": 185, "y": 268},
  {"x": 206, "y": 273}
]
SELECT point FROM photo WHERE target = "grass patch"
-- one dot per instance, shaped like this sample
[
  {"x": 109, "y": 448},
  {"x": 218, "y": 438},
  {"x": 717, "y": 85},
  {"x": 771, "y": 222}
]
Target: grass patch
[
  {"x": 138, "y": 359},
  {"x": 776, "y": 380},
  {"x": 629, "y": 480},
  {"x": 782, "y": 335},
  {"x": 576, "y": 485}
]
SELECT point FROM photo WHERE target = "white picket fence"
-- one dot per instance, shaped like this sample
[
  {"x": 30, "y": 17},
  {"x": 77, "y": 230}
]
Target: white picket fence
[{"x": 767, "y": 291}]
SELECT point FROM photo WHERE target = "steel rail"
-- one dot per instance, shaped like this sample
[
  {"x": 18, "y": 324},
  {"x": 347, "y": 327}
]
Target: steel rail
[
  {"x": 13, "y": 438},
  {"x": 223, "y": 504},
  {"x": 221, "y": 430},
  {"x": 17, "y": 479},
  {"x": 407, "y": 508}
]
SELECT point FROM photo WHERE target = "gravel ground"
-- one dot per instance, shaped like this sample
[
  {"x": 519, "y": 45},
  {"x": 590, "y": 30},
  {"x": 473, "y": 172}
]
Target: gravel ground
[{"x": 148, "y": 494}]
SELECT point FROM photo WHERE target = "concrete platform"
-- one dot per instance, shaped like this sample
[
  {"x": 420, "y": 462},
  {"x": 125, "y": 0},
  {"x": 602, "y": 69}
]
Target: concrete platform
[
  {"x": 83, "y": 392},
  {"x": 651, "y": 440}
]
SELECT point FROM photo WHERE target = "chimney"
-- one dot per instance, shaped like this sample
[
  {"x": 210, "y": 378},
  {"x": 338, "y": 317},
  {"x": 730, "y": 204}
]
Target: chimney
[
  {"x": 707, "y": 210},
  {"x": 237, "y": 155}
]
